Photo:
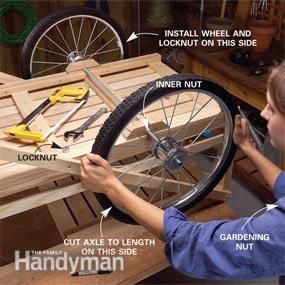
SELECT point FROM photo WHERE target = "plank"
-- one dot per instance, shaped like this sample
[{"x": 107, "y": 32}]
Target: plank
[
  {"x": 127, "y": 75},
  {"x": 40, "y": 83},
  {"x": 126, "y": 64},
  {"x": 62, "y": 163},
  {"x": 123, "y": 76},
  {"x": 5, "y": 78},
  {"x": 15, "y": 179},
  {"x": 122, "y": 84},
  {"x": 32, "y": 229},
  {"x": 77, "y": 205},
  {"x": 39, "y": 199},
  {"x": 111, "y": 100},
  {"x": 161, "y": 69},
  {"x": 148, "y": 261},
  {"x": 61, "y": 216},
  {"x": 93, "y": 202}
]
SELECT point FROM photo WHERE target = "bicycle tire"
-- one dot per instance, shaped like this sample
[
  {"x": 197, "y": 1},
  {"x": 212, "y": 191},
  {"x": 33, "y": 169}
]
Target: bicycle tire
[
  {"x": 43, "y": 27},
  {"x": 131, "y": 106}
]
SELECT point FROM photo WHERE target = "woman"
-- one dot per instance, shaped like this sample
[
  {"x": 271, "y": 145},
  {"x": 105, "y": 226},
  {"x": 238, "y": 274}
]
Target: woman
[{"x": 209, "y": 250}]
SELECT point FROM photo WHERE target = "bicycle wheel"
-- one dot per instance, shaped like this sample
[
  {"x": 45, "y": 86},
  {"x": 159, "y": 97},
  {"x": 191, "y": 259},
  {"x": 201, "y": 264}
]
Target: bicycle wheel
[
  {"x": 71, "y": 35},
  {"x": 170, "y": 146}
]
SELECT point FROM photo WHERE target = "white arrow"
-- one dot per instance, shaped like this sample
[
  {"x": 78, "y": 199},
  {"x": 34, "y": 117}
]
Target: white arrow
[
  {"x": 134, "y": 36},
  {"x": 267, "y": 208},
  {"x": 104, "y": 215}
]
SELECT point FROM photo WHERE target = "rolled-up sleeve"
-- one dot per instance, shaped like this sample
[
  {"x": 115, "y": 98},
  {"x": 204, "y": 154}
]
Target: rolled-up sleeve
[{"x": 202, "y": 250}]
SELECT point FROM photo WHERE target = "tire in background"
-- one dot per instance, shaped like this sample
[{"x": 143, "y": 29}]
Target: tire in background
[{"x": 47, "y": 22}]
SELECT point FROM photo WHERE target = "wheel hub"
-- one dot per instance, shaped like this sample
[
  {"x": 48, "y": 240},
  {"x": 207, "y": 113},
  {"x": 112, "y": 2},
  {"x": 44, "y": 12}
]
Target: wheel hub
[
  {"x": 171, "y": 153},
  {"x": 75, "y": 56}
]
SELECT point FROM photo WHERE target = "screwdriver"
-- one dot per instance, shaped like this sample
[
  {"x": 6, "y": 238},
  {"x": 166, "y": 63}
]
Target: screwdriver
[{"x": 254, "y": 135}]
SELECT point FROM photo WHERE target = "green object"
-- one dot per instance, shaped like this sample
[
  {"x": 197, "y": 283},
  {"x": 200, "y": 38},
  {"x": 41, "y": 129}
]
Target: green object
[{"x": 29, "y": 15}]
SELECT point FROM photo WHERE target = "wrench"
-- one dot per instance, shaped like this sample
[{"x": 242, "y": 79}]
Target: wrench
[
  {"x": 65, "y": 118},
  {"x": 78, "y": 133}
]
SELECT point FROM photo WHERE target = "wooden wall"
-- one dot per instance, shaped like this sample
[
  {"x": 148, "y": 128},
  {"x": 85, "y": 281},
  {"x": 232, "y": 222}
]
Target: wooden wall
[{"x": 120, "y": 10}]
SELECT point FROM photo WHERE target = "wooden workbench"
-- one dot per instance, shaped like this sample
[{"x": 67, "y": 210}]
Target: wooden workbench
[
  {"x": 41, "y": 207},
  {"x": 216, "y": 65},
  {"x": 149, "y": 260}
]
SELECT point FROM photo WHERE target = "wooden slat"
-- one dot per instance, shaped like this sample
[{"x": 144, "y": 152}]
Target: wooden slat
[
  {"x": 123, "y": 76},
  {"x": 39, "y": 199},
  {"x": 122, "y": 84},
  {"x": 127, "y": 75},
  {"x": 148, "y": 261},
  {"x": 80, "y": 210},
  {"x": 6, "y": 78},
  {"x": 40, "y": 83}
]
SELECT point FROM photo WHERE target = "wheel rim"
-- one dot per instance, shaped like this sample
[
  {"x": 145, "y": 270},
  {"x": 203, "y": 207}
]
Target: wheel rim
[
  {"x": 50, "y": 56},
  {"x": 195, "y": 134}
]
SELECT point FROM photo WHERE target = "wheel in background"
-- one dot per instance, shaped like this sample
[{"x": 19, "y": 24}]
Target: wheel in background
[{"x": 71, "y": 35}]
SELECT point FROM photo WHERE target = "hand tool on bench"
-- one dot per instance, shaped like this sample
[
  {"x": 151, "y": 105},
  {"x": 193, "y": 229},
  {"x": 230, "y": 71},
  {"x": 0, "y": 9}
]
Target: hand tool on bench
[
  {"x": 65, "y": 118},
  {"x": 78, "y": 133},
  {"x": 63, "y": 94}
]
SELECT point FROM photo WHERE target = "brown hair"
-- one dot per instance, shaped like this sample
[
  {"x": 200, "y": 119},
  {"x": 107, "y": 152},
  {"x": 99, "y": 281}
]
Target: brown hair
[{"x": 276, "y": 87}]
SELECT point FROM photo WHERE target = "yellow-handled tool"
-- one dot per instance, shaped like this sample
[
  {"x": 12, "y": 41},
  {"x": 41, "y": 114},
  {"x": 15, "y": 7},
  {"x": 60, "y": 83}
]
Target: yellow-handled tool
[{"x": 63, "y": 94}]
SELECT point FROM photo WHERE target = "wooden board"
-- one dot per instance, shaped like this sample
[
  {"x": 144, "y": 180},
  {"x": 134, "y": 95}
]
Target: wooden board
[
  {"x": 71, "y": 207},
  {"x": 236, "y": 79},
  {"x": 148, "y": 261},
  {"x": 247, "y": 172}
]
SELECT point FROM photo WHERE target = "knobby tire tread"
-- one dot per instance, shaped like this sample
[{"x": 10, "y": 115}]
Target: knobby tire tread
[{"x": 130, "y": 107}]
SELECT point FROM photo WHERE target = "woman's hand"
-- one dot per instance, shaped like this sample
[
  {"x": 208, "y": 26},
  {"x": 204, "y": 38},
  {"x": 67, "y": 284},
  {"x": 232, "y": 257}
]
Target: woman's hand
[
  {"x": 241, "y": 134},
  {"x": 97, "y": 174}
]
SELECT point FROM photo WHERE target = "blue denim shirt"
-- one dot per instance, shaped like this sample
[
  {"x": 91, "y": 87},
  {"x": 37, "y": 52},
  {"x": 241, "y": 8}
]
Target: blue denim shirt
[{"x": 200, "y": 249}]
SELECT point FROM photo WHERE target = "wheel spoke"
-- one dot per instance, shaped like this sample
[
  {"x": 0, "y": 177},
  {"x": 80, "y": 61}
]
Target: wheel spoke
[
  {"x": 50, "y": 51},
  {"x": 179, "y": 185},
  {"x": 168, "y": 127},
  {"x": 157, "y": 191},
  {"x": 162, "y": 187},
  {"x": 148, "y": 177},
  {"x": 133, "y": 132},
  {"x": 191, "y": 116},
  {"x": 203, "y": 155},
  {"x": 173, "y": 111},
  {"x": 187, "y": 178},
  {"x": 73, "y": 36},
  {"x": 95, "y": 40},
  {"x": 48, "y": 62},
  {"x": 80, "y": 29},
  {"x": 63, "y": 38},
  {"x": 56, "y": 44},
  {"x": 90, "y": 37},
  {"x": 188, "y": 122},
  {"x": 95, "y": 53},
  {"x": 106, "y": 51},
  {"x": 49, "y": 68},
  {"x": 214, "y": 118},
  {"x": 131, "y": 166},
  {"x": 139, "y": 186}
]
